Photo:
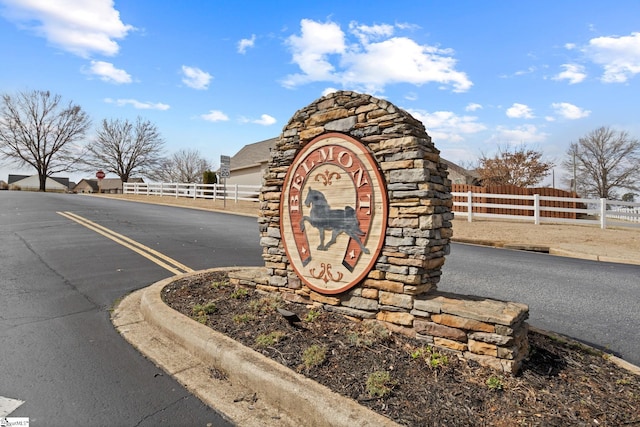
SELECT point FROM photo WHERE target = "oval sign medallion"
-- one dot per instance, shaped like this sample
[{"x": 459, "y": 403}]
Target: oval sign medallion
[{"x": 333, "y": 213}]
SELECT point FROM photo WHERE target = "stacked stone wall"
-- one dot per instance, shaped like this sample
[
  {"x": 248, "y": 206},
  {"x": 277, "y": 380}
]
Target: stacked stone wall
[{"x": 402, "y": 283}]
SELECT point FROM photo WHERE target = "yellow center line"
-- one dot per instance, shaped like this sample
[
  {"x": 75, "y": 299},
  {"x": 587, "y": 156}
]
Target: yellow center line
[{"x": 172, "y": 265}]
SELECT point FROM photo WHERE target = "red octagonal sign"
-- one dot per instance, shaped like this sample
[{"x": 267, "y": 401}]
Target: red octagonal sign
[
  {"x": 333, "y": 213},
  {"x": 100, "y": 174}
]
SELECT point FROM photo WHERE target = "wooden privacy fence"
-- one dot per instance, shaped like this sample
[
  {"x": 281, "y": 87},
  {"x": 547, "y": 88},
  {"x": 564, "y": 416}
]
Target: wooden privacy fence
[{"x": 485, "y": 201}]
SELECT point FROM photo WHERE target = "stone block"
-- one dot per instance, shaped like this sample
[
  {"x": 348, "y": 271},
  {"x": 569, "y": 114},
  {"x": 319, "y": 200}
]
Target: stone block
[
  {"x": 491, "y": 338},
  {"x": 430, "y": 328},
  {"x": 404, "y": 319},
  {"x": 360, "y": 303},
  {"x": 395, "y": 299},
  {"x": 384, "y": 285},
  {"x": 427, "y": 304},
  {"x": 370, "y": 293},
  {"x": 483, "y": 348},
  {"x": 462, "y": 323},
  {"x": 324, "y": 299},
  {"x": 449, "y": 344}
]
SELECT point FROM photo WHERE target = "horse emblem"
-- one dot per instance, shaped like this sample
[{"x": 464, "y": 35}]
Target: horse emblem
[{"x": 338, "y": 221}]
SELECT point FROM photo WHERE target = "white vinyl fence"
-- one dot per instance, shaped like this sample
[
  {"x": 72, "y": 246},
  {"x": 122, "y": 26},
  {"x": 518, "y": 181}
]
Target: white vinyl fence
[
  {"x": 195, "y": 191},
  {"x": 594, "y": 211}
]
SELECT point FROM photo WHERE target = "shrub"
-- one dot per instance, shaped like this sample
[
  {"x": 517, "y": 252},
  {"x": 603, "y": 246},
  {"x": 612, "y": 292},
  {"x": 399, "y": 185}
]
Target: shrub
[
  {"x": 379, "y": 384},
  {"x": 239, "y": 293},
  {"x": 494, "y": 383},
  {"x": 314, "y": 356},
  {"x": 267, "y": 340}
]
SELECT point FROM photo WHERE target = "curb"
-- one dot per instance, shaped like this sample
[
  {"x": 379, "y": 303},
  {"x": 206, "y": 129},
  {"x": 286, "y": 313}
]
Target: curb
[{"x": 303, "y": 400}]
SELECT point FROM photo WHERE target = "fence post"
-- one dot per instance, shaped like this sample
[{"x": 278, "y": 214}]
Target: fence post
[
  {"x": 603, "y": 213},
  {"x": 236, "y": 197},
  {"x": 470, "y": 206},
  {"x": 194, "y": 190},
  {"x": 536, "y": 209}
]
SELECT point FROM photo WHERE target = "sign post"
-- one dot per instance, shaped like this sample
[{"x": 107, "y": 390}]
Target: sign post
[
  {"x": 225, "y": 163},
  {"x": 100, "y": 175}
]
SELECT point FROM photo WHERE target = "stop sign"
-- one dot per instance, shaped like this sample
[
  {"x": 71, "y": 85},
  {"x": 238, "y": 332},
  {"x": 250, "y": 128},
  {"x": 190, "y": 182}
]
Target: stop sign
[{"x": 100, "y": 174}]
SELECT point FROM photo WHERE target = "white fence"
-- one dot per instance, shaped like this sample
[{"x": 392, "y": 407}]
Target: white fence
[
  {"x": 195, "y": 191},
  {"x": 596, "y": 211}
]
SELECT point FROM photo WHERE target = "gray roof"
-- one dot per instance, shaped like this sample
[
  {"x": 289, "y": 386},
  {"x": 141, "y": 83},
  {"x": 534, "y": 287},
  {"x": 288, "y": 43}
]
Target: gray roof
[
  {"x": 252, "y": 154},
  {"x": 59, "y": 180}
]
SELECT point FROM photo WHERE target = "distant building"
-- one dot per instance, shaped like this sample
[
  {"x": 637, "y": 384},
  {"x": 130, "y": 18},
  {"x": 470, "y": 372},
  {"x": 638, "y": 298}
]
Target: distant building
[
  {"x": 248, "y": 164},
  {"x": 114, "y": 185},
  {"x": 32, "y": 183},
  {"x": 86, "y": 186}
]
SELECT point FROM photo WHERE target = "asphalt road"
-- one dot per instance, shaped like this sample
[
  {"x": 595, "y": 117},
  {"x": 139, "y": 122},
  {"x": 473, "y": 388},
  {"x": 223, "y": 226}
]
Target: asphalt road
[{"x": 60, "y": 354}]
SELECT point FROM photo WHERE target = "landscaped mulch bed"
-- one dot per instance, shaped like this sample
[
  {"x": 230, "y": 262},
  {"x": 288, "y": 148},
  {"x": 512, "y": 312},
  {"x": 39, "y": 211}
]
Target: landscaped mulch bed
[{"x": 561, "y": 383}]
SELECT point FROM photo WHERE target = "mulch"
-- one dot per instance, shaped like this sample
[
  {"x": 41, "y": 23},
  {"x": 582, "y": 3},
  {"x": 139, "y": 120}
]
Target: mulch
[{"x": 561, "y": 383}]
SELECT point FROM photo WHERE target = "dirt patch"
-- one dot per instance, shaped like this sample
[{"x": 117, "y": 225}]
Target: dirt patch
[{"x": 561, "y": 382}]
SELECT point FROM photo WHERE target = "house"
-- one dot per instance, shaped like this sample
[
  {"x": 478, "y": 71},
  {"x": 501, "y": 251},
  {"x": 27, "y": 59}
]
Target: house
[
  {"x": 460, "y": 175},
  {"x": 248, "y": 165},
  {"x": 32, "y": 183},
  {"x": 86, "y": 186},
  {"x": 114, "y": 185}
]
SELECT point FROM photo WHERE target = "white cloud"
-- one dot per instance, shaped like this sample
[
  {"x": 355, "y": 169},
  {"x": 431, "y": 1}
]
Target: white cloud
[
  {"x": 137, "y": 104},
  {"x": 473, "y": 107},
  {"x": 447, "y": 126},
  {"x": 519, "y": 135},
  {"x": 108, "y": 73},
  {"x": 329, "y": 90},
  {"x": 619, "y": 56},
  {"x": 411, "y": 96},
  {"x": 195, "y": 78},
  {"x": 244, "y": 44},
  {"x": 519, "y": 111},
  {"x": 311, "y": 50},
  {"x": 77, "y": 26},
  {"x": 572, "y": 72},
  {"x": 569, "y": 111},
  {"x": 365, "y": 33},
  {"x": 215, "y": 116},
  {"x": 265, "y": 120},
  {"x": 372, "y": 59}
]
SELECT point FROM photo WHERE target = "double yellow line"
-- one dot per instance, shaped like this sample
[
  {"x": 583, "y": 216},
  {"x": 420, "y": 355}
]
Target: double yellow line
[{"x": 162, "y": 260}]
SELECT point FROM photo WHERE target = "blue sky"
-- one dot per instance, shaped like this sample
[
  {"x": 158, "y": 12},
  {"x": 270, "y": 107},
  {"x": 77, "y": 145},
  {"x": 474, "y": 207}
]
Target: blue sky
[{"x": 217, "y": 75}]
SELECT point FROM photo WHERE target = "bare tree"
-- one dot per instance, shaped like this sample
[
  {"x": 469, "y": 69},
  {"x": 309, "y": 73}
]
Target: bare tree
[
  {"x": 602, "y": 161},
  {"x": 38, "y": 129},
  {"x": 185, "y": 165},
  {"x": 125, "y": 148},
  {"x": 519, "y": 166}
]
